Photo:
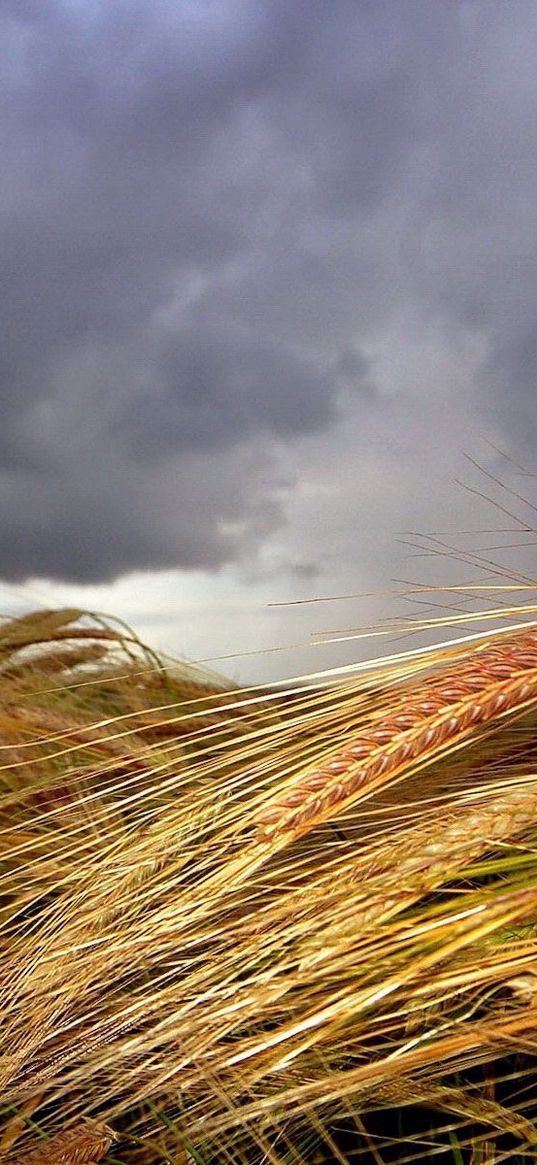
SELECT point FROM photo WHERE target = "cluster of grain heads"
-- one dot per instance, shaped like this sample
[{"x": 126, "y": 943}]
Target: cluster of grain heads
[{"x": 235, "y": 926}]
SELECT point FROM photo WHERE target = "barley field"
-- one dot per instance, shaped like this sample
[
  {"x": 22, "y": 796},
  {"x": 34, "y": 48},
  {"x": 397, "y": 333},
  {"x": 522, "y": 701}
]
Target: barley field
[{"x": 284, "y": 924}]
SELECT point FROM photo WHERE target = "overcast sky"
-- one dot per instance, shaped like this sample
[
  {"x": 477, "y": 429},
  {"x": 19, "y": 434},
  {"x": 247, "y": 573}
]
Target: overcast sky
[{"x": 268, "y": 270}]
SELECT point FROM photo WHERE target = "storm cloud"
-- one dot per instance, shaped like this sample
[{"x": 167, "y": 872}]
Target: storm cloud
[{"x": 213, "y": 218}]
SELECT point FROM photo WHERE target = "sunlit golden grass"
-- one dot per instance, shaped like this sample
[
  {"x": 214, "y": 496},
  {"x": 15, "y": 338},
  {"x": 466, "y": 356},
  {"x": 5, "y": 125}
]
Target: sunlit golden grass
[{"x": 266, "y": 925}]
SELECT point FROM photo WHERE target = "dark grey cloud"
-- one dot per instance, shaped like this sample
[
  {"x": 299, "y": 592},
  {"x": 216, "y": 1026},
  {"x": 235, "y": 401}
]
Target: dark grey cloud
[
  {"x": 208, "y": 212},
  {"x": 228, "y": 386}
]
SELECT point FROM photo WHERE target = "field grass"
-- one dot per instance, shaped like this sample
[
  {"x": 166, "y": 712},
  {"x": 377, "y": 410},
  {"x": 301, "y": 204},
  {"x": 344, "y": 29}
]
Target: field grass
[{"x": 266, "y": 925}]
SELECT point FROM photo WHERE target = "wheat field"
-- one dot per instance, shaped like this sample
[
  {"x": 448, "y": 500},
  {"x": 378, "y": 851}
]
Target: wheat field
[{"x": 271, "y": 924}]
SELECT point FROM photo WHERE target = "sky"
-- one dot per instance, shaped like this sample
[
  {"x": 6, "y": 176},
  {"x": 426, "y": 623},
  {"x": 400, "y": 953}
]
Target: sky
[{"x": 268, "y": 272}]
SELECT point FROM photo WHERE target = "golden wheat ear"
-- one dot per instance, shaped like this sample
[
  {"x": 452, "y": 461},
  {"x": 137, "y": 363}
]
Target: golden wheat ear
[
  {"x": 84, "y": 1144},
  {"x": 430, "y": 718}
]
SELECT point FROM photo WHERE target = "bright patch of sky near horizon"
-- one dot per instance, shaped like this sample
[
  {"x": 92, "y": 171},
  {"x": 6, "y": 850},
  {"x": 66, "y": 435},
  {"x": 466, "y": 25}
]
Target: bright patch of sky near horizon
[{"x": 268, "y": 272}]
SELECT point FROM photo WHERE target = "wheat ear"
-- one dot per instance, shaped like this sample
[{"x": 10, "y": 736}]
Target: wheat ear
[
  {"x": 434, "y": 715},
  {"x": 394, "y": 875},
  {"x": 408, "y": 1091},
  {"x": 84, "y": 1144}
]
